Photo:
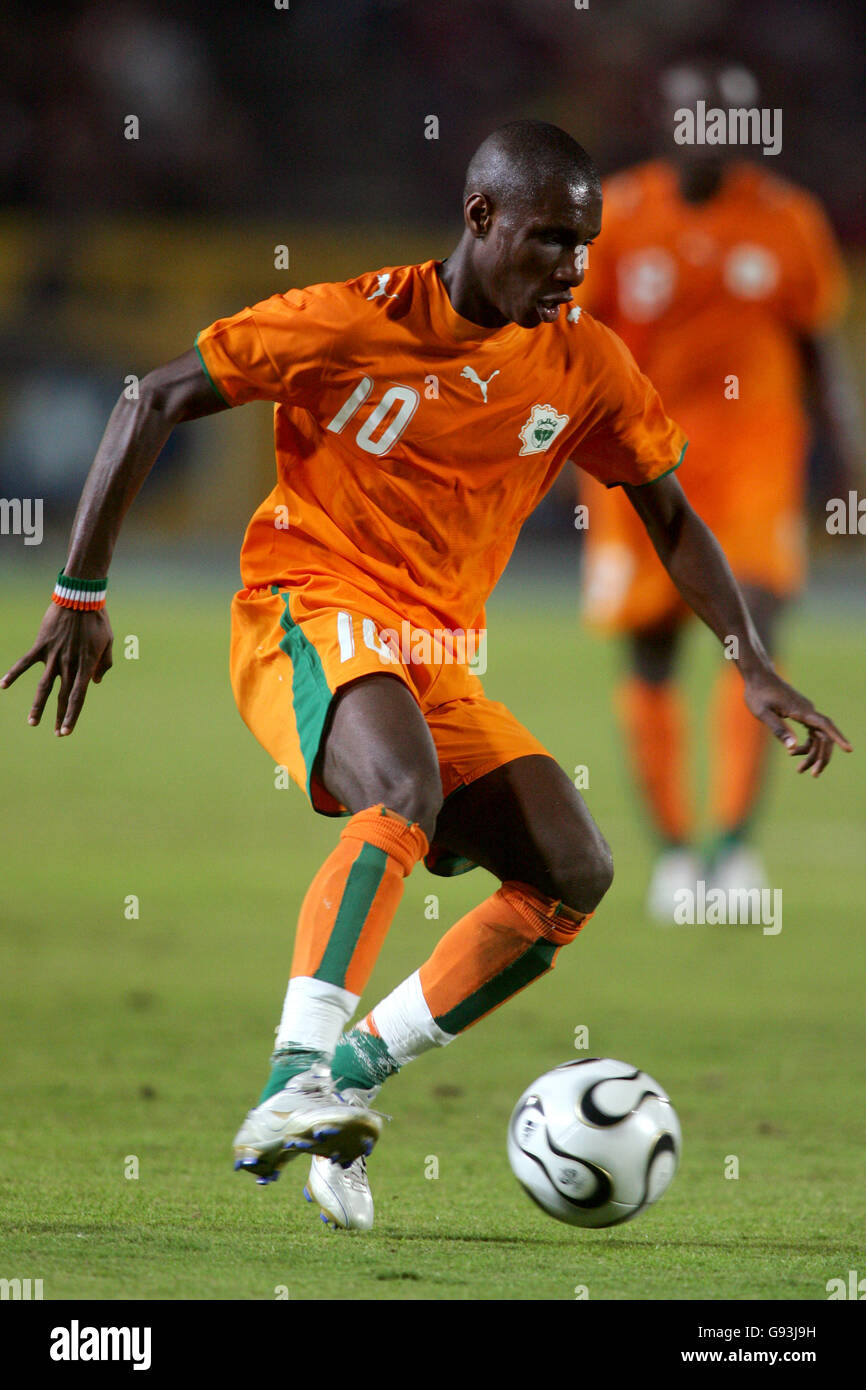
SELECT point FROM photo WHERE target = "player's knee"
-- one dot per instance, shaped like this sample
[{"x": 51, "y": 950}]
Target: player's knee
[
  {"x": 418, "y": 799},
  {"x": 582, "y": 881},
  {"x": 601, "y": 875}
]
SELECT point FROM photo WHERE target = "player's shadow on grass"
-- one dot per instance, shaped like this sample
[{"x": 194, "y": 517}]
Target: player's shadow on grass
[
  {"x": 479, "y": 1239},
  {"x": 752, "y": 1245}
]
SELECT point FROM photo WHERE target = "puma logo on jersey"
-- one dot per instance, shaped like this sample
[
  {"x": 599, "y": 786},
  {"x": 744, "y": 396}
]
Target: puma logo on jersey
[
  {"x": 380, "y": 291},
  {"x": 471, "y": 375}
]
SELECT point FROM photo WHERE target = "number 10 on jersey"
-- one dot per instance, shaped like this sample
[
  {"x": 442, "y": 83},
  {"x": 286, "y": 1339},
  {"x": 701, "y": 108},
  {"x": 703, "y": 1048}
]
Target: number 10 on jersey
[{"x": 403, "y": 397}]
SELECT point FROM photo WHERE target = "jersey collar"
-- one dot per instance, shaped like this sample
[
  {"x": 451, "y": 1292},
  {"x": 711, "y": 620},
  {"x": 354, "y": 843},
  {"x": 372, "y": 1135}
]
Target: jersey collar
[{"x": 451, "y": 326}]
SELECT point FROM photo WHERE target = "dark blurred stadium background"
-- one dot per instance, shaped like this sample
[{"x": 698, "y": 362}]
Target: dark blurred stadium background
[{"x": 305, "y": 127}]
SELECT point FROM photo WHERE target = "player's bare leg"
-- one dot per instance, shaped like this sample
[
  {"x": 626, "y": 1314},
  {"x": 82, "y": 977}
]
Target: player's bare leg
[
  {"x": 377, "y": 758},
  {"x": 377, "y": 748},
  {"x": 527, "y": 822}
]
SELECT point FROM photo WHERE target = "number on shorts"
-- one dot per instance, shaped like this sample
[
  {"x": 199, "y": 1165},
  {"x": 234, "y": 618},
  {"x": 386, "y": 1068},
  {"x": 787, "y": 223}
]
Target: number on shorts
[{"x": 346, "y": 638}]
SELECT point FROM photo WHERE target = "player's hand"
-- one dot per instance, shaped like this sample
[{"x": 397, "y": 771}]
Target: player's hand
[
  {"x": 773, "y": 701},
  {"x": 76, "y": 647}
]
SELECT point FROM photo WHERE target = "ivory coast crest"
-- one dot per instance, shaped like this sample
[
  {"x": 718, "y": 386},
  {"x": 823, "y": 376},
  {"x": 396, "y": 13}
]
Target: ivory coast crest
[{"x": 540, "y": 430}]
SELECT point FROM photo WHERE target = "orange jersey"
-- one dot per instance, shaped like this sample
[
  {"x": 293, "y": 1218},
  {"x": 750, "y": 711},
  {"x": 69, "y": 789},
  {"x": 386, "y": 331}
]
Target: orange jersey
[
  {"x": 411, "y": 444},
  {"x": 711, "y": 300}
]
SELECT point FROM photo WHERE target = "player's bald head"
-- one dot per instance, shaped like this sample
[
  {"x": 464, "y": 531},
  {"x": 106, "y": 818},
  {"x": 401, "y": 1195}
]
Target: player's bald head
[
  {"x": 531, "y": 206},
  {"x": 520, "y": 163}
]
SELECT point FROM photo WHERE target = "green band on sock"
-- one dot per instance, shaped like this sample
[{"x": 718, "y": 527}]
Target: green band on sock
[
  {"x": 362, "y": 885},
  {"x": 667, "y": 843},
  {"x": 726, "y": 840},
  {"x": 361, "y": 1062},
  {"x": 288, "y": 1062},
  {"x": 535, "y": 961}
]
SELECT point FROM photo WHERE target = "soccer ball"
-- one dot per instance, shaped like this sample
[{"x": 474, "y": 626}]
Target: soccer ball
[{"x": 594, "y": 1142}]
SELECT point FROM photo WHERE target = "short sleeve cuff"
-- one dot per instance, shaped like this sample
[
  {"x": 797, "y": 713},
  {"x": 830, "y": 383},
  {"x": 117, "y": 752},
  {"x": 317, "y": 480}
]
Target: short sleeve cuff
[
  {"x": 667, "y": 471},
  {"x": 207, "y": 373}
]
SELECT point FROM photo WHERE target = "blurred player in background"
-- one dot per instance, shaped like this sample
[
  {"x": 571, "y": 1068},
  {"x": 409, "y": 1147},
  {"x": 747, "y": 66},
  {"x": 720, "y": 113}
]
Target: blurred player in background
[{"x": 726, "y": 283}]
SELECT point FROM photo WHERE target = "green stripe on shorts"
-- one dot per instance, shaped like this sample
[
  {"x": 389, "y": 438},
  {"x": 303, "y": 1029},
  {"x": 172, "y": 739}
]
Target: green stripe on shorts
[{"x": 311, "y": 694}]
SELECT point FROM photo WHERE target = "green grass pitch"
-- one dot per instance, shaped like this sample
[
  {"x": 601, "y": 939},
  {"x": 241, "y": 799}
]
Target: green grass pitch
[{"x": 137, "y": 1044}]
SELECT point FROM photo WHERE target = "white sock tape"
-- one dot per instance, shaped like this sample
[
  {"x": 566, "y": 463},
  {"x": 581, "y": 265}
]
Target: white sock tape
[
  {"x": 315, "y": 1014},
  {"x": 405, "y": 1023}
]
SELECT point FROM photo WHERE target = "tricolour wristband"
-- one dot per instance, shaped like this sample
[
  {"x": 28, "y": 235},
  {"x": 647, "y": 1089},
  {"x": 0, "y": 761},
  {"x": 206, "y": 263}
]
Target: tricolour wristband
[{"x": 84, "y": 594}]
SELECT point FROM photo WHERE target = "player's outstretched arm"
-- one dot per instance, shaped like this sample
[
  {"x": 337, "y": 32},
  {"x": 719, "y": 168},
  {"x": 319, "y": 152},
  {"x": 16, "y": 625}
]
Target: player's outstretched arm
[
  {"x": 75, "y": 645},
  {"x": 694, "y": 560}
]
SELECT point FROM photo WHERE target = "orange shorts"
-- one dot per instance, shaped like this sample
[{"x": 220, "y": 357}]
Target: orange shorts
[
  {"x": 753, "y": 507},
  {"x": 292, "y": 650}
]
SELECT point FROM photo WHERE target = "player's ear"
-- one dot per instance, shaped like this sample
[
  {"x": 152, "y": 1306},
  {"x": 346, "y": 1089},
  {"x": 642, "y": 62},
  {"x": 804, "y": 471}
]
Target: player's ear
[{"x": 477, "y": 214}]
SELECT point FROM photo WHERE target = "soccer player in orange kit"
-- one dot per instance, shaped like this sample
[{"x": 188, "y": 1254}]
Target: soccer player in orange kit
[
  {"x": 421, "y": 412},
  {"x": 725, "y": 282}
]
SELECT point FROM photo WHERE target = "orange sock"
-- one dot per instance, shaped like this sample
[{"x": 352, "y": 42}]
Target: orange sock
[
  {"x": 486, "y": 958},
  {"x": 655, "y": 723},
  {"x": 492, "y": 953},
  {"x": 739, "y": 756},
  {"x": 352, "y": 900}
]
